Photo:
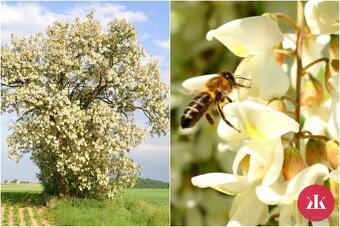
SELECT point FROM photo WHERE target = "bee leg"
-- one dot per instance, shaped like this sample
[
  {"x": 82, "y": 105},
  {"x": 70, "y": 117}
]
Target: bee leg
[
  {"x": 225, "y": 120},
  {"x": 229, "y": 99},
  {"x": 210, "y": 119},
  {"x": 225, "y": 96}
]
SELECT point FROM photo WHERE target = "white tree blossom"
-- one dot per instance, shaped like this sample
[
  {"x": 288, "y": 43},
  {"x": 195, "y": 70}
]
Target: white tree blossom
[
  {"x": 75, "y": 91},
  {"x": 322, "y": 16}
]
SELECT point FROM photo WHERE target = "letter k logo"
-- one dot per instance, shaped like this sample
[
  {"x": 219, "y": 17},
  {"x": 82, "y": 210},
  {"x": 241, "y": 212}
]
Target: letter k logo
[{"x": 317, "y": 204}]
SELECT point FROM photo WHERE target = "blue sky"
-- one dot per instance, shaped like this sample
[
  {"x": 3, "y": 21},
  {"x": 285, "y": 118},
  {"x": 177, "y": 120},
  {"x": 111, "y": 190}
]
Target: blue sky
[{"x": 152, "y": 24}]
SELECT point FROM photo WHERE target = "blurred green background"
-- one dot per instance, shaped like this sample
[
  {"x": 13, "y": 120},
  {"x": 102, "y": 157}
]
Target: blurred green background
[{"x": 195, "y": 152}]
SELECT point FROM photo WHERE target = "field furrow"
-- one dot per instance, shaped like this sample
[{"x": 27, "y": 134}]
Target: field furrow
[
  {"x": 10, "y": 218},
  {"x": 41, "y": 212},
  {"x": 22, "y": 217},
  {"x": 2, "y": 212},
  {"x": 34, "y": 221},
  {"x": 37, "y": 216}
]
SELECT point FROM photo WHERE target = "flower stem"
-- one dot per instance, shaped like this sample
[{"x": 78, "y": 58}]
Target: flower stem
[
  {"x": 299, "y": 69},
  {"x": 315, "y": 62},
  {"x": 307, "y": 134},
  {"x": 288, "y": 19},
  {"x": 284, "y": 52}
]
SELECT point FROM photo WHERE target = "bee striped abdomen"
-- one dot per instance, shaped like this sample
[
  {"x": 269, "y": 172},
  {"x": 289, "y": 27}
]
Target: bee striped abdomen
[{"x": 196, "y": 109}]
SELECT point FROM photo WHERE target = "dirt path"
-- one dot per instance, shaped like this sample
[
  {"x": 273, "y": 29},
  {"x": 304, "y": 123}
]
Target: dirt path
[
  {"x": 2, "y": 212},
  {"x": 21, "y": 215},
  {"x": 30, "y": 211},
  {"x": 41, "y": 212},
  {"x": 11, "y": 216}
]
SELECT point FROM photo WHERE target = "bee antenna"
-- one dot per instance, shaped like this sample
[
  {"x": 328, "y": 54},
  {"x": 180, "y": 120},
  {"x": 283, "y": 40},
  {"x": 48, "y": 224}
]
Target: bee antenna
[{"x": 240, "y": 77}]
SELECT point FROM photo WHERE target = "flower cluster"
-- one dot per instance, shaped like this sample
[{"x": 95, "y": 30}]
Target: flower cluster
[
  {"x": 76, "y": 91},
  {"x": 277, "y": 155}
]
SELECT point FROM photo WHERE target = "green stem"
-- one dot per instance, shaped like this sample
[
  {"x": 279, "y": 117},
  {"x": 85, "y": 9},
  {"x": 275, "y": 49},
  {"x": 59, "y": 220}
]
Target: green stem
[{"x": 299, "y": 69}]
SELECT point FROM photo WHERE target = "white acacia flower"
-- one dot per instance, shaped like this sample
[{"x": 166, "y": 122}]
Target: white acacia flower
[
  {"x": 255, "y": 121},
  {"x": 316, "y": 118},
  {"x": 268, "y": 79},
  {"x": 286, "y": 194},
  {"x": 245, "y": 201},
  {"x": 334, "y": 118},
  {"x": 322, "y": 16},
  {"x": 265, "y": 160},
  {"x": 248, "y": 36},
  {"x": 261, "y": 129}
]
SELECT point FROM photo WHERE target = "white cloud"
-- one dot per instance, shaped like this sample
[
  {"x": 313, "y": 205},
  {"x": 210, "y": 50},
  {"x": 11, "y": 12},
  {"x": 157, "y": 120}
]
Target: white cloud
[
  {"x": 31, "y": 18},
  {"x": 165, "y": 44}
]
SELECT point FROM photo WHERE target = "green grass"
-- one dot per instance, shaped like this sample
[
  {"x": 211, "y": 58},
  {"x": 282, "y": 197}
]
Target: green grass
[
  {"x": 137, "y": 207},
  {"x": 21, "y": 187}
]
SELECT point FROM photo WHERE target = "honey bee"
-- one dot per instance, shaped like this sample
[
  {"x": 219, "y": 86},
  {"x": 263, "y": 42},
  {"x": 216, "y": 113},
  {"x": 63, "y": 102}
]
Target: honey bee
[{"x": 215, "y": 93}]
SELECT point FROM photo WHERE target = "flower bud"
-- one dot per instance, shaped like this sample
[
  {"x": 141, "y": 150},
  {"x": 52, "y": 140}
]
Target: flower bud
[
  {"x": 312, "y": 93},
  {"x": 335, "y": 65},
  {"x": 277, "y": 104},
  {"x": 245, "y": 164},
  {"x": 334, "y": 46},
  {"x": 315, "y": 151},
  {"x": 332, "y": 150},
  {"x": 293, "y": 162}
]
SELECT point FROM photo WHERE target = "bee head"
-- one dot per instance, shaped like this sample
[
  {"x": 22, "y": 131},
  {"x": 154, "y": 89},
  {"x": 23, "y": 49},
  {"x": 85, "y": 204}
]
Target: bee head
[{"x": 229, "y": 76}]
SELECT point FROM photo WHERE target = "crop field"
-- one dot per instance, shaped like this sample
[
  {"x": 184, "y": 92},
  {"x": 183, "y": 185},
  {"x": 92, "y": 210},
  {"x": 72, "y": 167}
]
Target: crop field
[
  {"x": 26, "y": 206},
  {"x": 23, "y": 209}
]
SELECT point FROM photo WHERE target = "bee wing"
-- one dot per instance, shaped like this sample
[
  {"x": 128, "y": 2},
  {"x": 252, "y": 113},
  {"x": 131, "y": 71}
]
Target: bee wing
[
  {"x": 177, "y": 88},
  {"x": 197, "y": 83}
]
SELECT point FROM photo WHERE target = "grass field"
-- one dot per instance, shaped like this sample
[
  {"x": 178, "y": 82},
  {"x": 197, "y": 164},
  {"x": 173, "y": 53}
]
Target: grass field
[
  {"x": 21, "y": 188},
  {"x": 25, "y": 205}
]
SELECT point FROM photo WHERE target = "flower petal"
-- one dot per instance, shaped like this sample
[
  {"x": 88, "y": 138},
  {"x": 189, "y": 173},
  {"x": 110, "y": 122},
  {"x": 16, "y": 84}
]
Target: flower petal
[
  {"x": 197, "y": 83},
  {"x": 322, "y": 16},
  {"x": 262, "y": 154},
  {"x": 268, "y": 80},
  {"x": 247, "y": 209},
  {"x": 334, "y": 175},
  {"x": 273, "y": 173},
  {"x": 255, "y": 121},
  {"x": 225, "y": 183},
  {"x": 271, "y": 195},
  {"x": 305, "y": 178},
  {"x": 248, "y": 36}
]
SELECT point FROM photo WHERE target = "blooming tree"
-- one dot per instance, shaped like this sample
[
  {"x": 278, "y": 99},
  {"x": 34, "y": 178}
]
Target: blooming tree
[
  {"x": 289, "y": 135},
  {"x": 76, "y": 91}
]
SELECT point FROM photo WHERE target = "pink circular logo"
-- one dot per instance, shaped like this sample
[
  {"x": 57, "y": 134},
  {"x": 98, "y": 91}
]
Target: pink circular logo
[{"x": 316, "y": 203}]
